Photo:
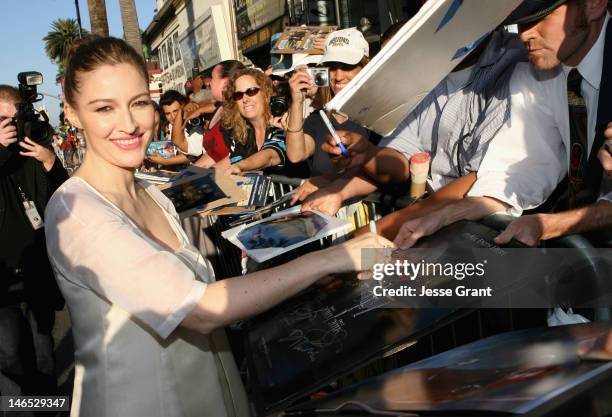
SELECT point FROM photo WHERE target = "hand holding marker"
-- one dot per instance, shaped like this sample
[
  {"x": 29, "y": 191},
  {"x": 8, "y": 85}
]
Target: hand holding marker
[{"x": 333, "y": 132}]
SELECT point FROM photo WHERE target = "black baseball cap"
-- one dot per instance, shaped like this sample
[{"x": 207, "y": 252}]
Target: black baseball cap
[{"x": 531, "y": 10}]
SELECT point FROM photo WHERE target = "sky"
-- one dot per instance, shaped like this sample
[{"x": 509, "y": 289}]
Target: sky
[{"x": 25, "y": 22}]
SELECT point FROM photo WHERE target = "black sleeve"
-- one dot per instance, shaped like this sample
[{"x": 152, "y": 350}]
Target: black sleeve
[
  {"x": 312, "y": 125},
  {"x": 5, "y": 155},
  {"x": 56, "y": 176}
]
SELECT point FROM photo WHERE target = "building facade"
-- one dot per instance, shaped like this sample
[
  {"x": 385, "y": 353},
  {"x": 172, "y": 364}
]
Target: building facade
[{"x": 187, "y": 36}]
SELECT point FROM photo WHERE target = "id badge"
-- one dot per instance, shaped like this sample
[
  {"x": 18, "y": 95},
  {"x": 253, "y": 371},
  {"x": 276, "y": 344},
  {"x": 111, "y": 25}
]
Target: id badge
[{"x": 33, "y": 216}]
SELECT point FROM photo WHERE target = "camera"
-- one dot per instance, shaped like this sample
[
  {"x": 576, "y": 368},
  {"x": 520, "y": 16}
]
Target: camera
[
  {"x": 280, "y": 103},
  {"x": 320, "y": 76},
  {"x": 30, "y": 122},
  {"x": 195, "y": 125}
]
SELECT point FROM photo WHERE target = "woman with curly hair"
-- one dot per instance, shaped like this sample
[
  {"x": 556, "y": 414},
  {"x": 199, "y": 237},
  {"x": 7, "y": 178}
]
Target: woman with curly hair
[{"x": 253, "y": 141}]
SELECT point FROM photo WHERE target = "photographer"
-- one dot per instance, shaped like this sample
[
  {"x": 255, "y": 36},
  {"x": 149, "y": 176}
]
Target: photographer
[{"x": 29, "y": 174}]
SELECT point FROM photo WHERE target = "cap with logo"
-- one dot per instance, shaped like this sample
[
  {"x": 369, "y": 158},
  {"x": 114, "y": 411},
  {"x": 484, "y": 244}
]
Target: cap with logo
[
  {"x": 347, "y": 46},
  {"x": 531, "y": 10}
]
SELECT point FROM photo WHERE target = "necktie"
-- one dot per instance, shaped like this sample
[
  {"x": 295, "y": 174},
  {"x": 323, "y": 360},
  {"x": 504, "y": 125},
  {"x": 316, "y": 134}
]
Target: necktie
[{"x": 578, "y": 137}]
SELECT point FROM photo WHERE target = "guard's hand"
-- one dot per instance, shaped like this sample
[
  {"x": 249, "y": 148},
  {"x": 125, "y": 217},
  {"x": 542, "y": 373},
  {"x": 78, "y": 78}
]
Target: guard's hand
[
  {"x": 413, "y": 230},
  {"x": 605, "y": 157},
  {"x": 8, "y": 132},
  {"x": 38, "y": 152},
  {"x": 527, "y": 229}
]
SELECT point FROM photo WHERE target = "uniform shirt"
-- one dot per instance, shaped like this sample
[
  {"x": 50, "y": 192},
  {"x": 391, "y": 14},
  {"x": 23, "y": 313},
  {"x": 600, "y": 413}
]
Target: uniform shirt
[
  {"x": 540, "y": 133},
  {"x": 459, "y": 119}
]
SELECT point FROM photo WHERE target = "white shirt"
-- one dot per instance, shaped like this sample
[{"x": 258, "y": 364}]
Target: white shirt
[
  {"x": 195, "y": 143},
  {"x": 540, "y": 114},
  {"x": 127, "y": 295},
  {"x": 527, "y": 158}
]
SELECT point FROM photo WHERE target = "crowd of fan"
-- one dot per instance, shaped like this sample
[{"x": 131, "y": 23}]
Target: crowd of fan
[{"x": 495, "y": 129}]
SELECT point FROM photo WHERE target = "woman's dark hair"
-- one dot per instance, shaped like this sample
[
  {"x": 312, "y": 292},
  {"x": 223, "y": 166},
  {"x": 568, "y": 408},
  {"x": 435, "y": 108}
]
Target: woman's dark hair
[
  {"x": 229, "y": 67},
  {"x": 94, "y": 51},
  {"x": 171, "y": 96}
]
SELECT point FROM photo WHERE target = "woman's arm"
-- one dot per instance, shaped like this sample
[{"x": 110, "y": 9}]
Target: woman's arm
[
  {"x": 234, "y": 299},
  {"x": 259, "y": 160},
  {"x": 205, "y": 161},
  {"x": 300, "y": 146},
  {"x": 173, "y": 160}
]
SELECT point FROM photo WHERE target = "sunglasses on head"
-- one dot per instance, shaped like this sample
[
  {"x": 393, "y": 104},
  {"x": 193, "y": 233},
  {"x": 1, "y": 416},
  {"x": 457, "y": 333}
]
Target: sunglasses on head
[{"x": 249, "y": 92}]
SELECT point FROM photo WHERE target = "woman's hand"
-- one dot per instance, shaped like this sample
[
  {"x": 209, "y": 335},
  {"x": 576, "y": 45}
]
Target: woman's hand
[
  {"x": 299, "y": 83},
  {"x": 155, "y": 158},
  {"x": 347, "y": 257},
  {"x": 325, "y": 201},
  {"x": 282, "y": 121},
  {"x": 233, "y": 170},
  {"x": 38, "y": 152},
  {"x": 308, "y": 187}
]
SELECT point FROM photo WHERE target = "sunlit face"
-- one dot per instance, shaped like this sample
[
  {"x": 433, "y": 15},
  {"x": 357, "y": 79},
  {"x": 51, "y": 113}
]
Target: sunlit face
[
  {"x": 114, "y": 109},
  {"x": 249, "y": 107},
  {"x": 172, "y": 110},
  {"x": 217, "y": 83},
  {"x": 340, "y": 74},
  {"x": 558, "y": 37}
]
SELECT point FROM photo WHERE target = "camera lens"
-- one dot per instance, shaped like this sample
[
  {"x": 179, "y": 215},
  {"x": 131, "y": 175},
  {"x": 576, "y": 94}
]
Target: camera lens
[
  {"x": 278, "y": 105},
  {"x": 195, "y": 122}
]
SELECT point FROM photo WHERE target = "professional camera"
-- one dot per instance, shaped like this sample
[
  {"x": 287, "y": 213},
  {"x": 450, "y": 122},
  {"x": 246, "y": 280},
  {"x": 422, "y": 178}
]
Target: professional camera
[
  {"x": 30, "y": 122},
  {"x": 279, "y": 103},
  {"x": 320, "y": 76}
]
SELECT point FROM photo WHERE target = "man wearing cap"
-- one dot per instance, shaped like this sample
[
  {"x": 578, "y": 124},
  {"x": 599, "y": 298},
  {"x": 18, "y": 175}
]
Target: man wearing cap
[
  {"x": 346, "y": 53},
  {"x": 575, "y": 37}
]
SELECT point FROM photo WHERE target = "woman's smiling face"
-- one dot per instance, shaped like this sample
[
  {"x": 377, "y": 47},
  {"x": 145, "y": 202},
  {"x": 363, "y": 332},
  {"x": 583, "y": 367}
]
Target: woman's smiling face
[
  {"x": 250, "y": 107},
  {"x": 114, "y": 109}
]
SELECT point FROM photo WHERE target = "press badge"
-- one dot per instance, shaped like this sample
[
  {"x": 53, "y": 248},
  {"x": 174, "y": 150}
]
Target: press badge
[{"x": 33, "y": 215}]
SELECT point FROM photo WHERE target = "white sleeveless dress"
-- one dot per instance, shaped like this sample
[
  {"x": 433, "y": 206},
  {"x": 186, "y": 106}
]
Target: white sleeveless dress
[{"x": 127, "y": 294}]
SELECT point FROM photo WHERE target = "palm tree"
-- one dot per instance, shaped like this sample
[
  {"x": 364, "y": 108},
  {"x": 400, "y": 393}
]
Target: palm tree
[
  {"x": 97, "y": 17},
  {"x": 63, "y": 33},
  {"x": 131, "y": 30}
]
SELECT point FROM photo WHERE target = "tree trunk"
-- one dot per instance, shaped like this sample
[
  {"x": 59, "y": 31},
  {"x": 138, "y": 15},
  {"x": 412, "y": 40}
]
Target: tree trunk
[
  {"x": 131, "y": 29},
  {"x": 97, "y": 17}
]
